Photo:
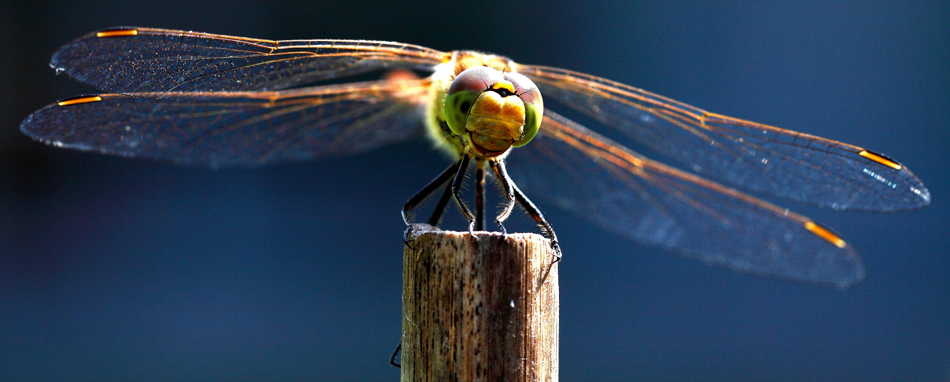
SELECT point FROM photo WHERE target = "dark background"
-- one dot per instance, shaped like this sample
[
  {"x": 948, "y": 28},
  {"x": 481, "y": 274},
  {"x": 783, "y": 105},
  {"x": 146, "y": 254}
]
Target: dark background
[{"x": 117, "y": 269}]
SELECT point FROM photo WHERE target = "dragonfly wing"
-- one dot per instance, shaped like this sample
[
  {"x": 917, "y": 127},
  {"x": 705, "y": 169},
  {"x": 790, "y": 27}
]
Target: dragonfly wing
[
  {"x": 154, "y": 61},
  {"x": 739, "y": 153},
  {"x": 237, "y": 128},
  {"x": 623, "y": 192}
]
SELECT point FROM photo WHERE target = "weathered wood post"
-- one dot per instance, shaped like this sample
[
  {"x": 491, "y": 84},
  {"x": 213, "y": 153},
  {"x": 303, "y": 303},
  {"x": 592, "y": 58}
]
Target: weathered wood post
[{"x": 482, "y": 309}]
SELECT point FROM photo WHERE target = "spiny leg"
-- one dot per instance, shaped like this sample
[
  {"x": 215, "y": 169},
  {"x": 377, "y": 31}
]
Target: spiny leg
[
  {"x": 392, "y": 360},
  {"x": 436, "y": 217},
  {"x": 457, "y": 188},
  {"x": 479, "y": 194},
  {"x": 535, "y": 213},
  {"x": 506, "y": 184},
  {"x": 444, "y": 177}
]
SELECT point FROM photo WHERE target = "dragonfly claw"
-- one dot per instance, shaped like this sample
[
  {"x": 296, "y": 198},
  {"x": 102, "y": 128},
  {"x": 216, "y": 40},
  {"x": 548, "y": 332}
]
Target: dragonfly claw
[
  {"x": 557, "y": 251},
  {"x": 471, "y": 230},
  {"x": 408, "y": 237},
  {"x": 501, "y": 227}
]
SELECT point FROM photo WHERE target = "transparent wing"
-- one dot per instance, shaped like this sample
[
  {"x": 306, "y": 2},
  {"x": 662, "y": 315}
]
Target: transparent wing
[
  {"x": 743, "y": 154},
  {"x": 626, "y": 193},
  {"x": 150, "y": 62},
  {"x": 237, "y": 128}
]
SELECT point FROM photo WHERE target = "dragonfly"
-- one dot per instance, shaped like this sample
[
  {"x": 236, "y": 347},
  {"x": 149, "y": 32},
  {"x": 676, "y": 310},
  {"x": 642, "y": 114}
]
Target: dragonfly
[{"x": 205, "y": 99}]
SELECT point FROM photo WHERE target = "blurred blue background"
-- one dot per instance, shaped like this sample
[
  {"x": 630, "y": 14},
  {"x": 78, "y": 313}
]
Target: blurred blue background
[{"x": 118, "y": 269}]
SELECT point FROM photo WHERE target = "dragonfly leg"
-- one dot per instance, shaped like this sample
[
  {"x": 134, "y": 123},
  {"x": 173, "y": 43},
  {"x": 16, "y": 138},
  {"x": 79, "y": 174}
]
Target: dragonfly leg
[
  {"x": 535, "y": 213},
  {"x": 392, "y": 360},
  {"x": 439, "y": 209},
  {"x": 479, "y": 194},
  {"x": 414, "y": 201},
  {"x": 457, "y": 188},
  {"x": 506, "y": 184}
]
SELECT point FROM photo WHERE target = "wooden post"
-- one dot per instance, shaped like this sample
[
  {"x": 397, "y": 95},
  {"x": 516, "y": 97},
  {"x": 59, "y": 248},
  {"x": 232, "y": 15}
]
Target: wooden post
[{"x": 482, "y": 309}]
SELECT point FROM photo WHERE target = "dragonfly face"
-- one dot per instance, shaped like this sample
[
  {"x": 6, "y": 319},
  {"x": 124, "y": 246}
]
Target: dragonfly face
[
  {"x": 198, "y": 98},
  {"x": 494, "y": 110}
]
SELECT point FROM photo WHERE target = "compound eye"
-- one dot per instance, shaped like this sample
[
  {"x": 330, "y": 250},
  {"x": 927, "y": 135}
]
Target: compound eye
[
  {"x": 525, "y": 89},
  {"x": 533, "y": 105},
  {"x": 476, "y": 78},
  {"x": 466, "y": 87}
]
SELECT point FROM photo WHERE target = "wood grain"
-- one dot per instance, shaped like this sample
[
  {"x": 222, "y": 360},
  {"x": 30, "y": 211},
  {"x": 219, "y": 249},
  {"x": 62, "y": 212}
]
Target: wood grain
[{"x": 482, "y": 309}]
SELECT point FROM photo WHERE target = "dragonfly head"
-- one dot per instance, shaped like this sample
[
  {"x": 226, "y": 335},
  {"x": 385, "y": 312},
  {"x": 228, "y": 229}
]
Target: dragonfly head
[{"x": 495, "y": 110}]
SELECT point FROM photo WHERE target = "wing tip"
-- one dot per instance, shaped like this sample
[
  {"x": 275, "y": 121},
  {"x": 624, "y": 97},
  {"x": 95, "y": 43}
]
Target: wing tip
[
  {"x": 923, "y": 196},
  {"x": 852, "y": 278}
]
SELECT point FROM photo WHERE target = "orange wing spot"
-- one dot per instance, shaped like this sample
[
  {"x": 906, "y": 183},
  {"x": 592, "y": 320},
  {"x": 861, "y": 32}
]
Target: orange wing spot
[
  {"x": 824, "y": 233},
  {"x": 880, "y": 159},
  {"x": 118, "y": 33},
  {"x": 79, "y": 100},
  {"x": 503, "y": 85}
]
